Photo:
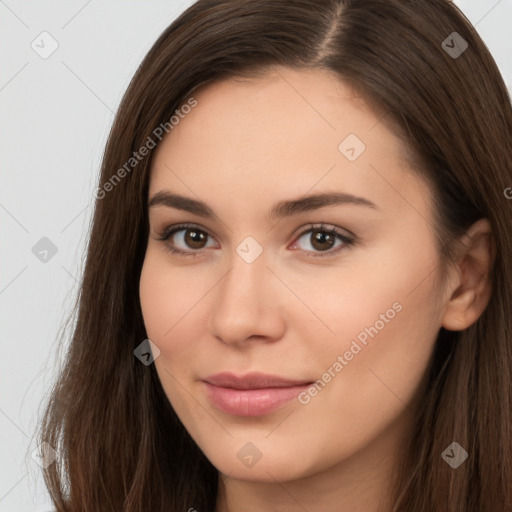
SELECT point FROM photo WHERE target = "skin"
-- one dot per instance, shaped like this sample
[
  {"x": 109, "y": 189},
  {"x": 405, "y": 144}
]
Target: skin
[{"x": 247, "y": 145}]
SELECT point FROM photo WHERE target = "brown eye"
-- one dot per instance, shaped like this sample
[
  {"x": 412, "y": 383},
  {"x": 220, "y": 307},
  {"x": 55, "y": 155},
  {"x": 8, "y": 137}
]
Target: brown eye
[
  {"x": 194, "y": 238},
  {"x": 322, "y": 239},
  {"x": 185, "y": 240},
  {"x": 189, "y": 240}
]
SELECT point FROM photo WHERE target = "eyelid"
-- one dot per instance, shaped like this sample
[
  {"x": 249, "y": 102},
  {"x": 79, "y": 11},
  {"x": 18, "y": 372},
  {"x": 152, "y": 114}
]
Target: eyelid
[
  {"x": 167, "y": 231},
  {"x": 323, "y": 227}
]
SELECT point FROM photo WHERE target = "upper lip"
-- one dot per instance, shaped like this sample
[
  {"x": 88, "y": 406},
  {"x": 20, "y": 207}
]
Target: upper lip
[{"x": 252, "y": 380}]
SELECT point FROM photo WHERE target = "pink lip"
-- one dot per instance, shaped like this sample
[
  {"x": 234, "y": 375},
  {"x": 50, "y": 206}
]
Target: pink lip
[{"x": 253, "y": 394}]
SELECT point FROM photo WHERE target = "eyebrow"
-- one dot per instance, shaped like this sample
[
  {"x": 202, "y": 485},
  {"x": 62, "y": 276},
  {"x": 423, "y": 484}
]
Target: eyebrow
[{"x": 282, "y": 209}]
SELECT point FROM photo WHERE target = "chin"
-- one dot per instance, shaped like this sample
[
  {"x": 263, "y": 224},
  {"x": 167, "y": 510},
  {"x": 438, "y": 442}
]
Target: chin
[{"x": 273, "y": 464}]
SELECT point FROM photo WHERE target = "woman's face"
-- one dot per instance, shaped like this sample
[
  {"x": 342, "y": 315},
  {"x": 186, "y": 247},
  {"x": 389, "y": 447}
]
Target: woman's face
[{"x": 350, "y": 316}]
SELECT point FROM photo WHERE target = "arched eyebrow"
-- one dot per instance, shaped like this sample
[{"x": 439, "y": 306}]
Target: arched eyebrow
[{"x": 282, "y": 209}]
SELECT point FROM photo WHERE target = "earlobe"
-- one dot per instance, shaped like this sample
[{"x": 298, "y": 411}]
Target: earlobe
[
  {"x": 460, "y": 311},
  {"x": 471, "y": 289}
]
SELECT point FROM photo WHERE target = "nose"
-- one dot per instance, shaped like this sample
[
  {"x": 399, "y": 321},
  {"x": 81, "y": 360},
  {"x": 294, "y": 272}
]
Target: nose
[{"x": 248, "y": 303}]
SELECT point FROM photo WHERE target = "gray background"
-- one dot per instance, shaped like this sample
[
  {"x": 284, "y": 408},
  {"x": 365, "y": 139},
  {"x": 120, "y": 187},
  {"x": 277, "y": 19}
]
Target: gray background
[{"x": 55, "y": 115}]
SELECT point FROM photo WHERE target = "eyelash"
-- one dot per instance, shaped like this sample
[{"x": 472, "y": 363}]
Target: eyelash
[{"x": 168, "y": 232}]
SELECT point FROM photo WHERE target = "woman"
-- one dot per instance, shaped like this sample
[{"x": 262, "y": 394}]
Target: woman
[{"x": 298, "y": 284}]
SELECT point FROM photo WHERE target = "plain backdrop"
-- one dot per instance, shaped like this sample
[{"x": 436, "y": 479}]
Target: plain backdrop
[{"x": 56, "y": 110}]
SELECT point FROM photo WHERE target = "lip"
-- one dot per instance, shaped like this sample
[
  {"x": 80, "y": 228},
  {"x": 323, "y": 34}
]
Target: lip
[{"x": 252, "y": 394}]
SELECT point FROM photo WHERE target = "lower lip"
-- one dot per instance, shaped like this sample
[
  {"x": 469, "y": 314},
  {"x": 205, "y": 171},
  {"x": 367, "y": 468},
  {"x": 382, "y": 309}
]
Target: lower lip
[{"x": 252, "y": 402}]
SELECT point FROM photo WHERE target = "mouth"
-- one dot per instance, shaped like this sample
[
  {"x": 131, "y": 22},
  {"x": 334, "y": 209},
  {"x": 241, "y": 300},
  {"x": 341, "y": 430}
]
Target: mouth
[{"x": 252, "y": 394}]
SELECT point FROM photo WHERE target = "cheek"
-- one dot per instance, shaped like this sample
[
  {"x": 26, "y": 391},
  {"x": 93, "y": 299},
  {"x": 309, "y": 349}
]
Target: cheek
[
  {"x": 379, "y": 305},
  {"x": 175, "y": 304},
  {"x": 383, "y": 293},
  {"x": 383, "y": 358},
  {"x": 386, "y": 324},
  {"x": 169, "y": 297}
]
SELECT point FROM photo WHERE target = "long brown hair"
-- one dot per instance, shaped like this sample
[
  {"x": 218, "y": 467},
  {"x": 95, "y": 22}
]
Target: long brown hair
[{"x": 120, "y": 446}]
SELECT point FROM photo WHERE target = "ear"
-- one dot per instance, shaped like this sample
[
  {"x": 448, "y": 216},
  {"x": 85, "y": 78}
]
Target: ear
[{"x": 470, "y": 287}]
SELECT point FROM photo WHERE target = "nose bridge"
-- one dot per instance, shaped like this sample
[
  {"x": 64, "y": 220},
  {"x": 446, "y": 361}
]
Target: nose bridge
[
  {"x": 245, "y": 302},
  {"x": 246, "y": 279}
]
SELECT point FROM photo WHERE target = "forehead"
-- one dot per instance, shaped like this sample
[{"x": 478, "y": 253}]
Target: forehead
[{"x": 282, "y": 133}]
